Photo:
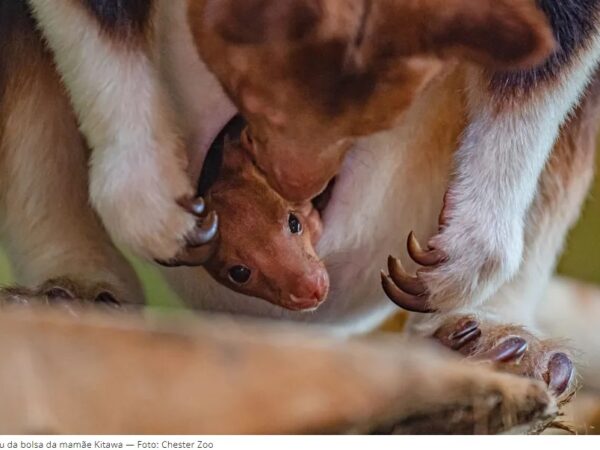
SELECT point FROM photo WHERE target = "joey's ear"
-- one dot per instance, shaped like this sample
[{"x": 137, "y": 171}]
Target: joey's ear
[
  {"x": 258, "y": 21},
  {"x": 504, "y": 34}
]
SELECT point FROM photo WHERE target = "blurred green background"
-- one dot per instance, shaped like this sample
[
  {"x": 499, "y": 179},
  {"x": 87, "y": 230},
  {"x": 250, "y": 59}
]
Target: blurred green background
[{"x": 581, "y": 258}]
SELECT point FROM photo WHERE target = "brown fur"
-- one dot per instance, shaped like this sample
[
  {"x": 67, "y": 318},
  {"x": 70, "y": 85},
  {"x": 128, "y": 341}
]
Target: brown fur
[
  {"x": 254, "y": 233},
  {"x": 353, "y": 74},
  {"x": 134, "y": 377}
]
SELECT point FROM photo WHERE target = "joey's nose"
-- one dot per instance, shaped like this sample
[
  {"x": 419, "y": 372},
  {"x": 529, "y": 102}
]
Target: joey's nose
[
  {"x": 321, "y": 285},
  {"x": 311, "y": 290}
]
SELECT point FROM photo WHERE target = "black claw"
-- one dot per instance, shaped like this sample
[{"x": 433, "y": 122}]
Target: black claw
[
  {"x": 58, "y": 293},
  {"x": 509, "y": 350},
  {"x": 466, "y": 328},
  {"x": 405, "y": 301},
  {"x": 467, "y": 333},
  {"x": 107, "y": 298},
  {"x": 560, "y": 372}
]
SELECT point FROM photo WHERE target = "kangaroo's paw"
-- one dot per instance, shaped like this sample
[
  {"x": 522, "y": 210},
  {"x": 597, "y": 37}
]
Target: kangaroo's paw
[
  {"x": 149, "y": 204},
  {"x": 513, "y": 349},
  {"x": 169, "y": 231},
  {"x": 65, "y": 293},
  {"x": 199, "y": 243},
  {"x": 466, "y": 262}
]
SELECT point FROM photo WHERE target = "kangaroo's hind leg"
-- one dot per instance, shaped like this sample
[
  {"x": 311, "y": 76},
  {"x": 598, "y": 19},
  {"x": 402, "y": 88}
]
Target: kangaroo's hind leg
[{"x": 54, "y": 239}]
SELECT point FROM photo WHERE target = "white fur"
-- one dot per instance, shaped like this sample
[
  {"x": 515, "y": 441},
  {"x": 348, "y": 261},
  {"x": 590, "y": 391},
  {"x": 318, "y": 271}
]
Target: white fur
[
  {"x": 498, "y": 165},
  {"x": 202, "y": 107},
  {"x": 137, "y": 169}
]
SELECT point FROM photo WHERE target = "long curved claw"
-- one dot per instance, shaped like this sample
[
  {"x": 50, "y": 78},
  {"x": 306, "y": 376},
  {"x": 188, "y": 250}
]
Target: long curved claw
[
  {"x": 410, "y": 285},
  {"x": 206, "y": 233},
  {"x": 425, "y": 258},
  {"x": 509, "y": 350},
  {"x": 560, "y": 372},
  {"x": 406, "y": 301}
]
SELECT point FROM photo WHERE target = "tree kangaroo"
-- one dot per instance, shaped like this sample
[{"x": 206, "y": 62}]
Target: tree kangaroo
[{"x": 402, "y": 101}]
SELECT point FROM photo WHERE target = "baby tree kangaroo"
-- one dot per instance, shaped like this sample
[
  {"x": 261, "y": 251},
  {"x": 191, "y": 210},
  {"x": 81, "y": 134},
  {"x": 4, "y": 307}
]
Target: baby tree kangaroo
[{"x": 265, "y": 246}]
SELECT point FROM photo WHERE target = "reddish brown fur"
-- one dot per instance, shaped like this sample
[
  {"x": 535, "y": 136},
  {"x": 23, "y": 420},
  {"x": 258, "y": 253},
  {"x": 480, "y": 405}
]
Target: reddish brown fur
[
  {"x": 254, "y": 232},
  {"x": 351, "y": 73}
]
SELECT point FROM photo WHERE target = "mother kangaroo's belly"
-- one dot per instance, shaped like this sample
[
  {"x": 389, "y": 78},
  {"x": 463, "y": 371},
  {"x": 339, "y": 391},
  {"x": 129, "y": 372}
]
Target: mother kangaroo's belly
[{"x": 390, "y": 184}]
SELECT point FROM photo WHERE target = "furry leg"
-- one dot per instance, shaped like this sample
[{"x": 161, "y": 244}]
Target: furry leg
[
  {"x": 105, "y": 56},
  {"x": 514, "y": 121},
  {"x": 478, "y": 331},
  {"x": 47, "y": 224}
]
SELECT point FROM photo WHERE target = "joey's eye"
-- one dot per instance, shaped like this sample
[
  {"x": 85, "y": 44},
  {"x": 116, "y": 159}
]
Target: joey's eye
[
  {"x": 294, "y": 224},
  {"x": 239, "y": 274}
]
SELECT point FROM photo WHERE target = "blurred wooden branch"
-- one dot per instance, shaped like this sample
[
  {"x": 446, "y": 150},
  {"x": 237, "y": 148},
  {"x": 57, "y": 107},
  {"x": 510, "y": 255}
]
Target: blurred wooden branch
[{"x": 100, "y": 373}]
